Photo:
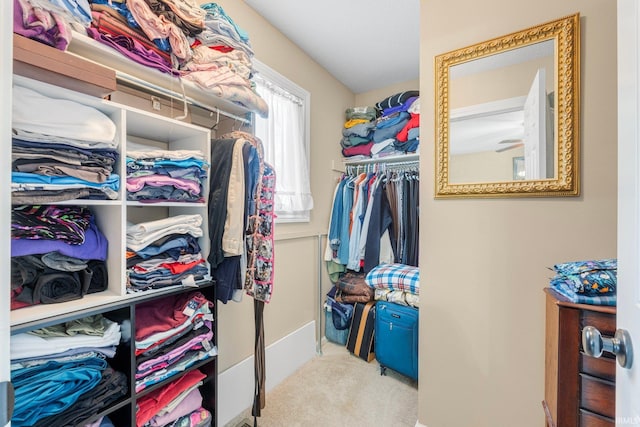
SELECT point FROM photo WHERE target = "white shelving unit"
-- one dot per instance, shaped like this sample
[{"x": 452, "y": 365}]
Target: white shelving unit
[{"x": 112, "y": 215}]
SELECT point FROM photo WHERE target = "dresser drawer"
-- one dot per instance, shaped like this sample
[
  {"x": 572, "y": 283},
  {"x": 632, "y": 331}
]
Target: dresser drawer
[
  {"x": 601, "y": 367},
  {"x": 589, "y": 419},
  {"x": 604, "y": 322},
  {"x": 597, "y": 395}
]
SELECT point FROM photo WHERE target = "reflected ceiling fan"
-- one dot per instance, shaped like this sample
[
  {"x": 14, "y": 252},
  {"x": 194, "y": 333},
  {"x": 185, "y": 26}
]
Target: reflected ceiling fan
[{"x": 514, "y": 143}]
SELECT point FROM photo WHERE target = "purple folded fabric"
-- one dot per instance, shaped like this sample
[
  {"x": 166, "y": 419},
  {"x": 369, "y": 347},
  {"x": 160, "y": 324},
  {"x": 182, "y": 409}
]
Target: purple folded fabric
[
  {"x": 43, "y": 26},
  {"x": 94, "y": 246},
  {"x": 133, "y": 50}
]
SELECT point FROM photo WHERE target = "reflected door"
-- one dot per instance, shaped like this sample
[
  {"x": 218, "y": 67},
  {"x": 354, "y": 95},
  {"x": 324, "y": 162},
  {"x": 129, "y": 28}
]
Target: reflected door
[{"x": 535, "y": 129}]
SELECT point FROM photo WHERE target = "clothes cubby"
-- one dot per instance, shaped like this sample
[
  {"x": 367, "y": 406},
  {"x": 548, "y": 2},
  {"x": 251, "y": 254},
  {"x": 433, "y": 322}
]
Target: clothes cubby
[
  {"x": 122, "y": 412},
  {"x": 134, "y": 128}
]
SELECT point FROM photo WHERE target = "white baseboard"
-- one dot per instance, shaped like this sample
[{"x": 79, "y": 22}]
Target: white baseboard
[
  {"x": 419, "y": 425},
  {"x": 283, "y": 358}
]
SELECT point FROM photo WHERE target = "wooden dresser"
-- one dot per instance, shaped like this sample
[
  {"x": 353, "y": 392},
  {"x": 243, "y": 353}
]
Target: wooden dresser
[{"x": 579, "y": 390}]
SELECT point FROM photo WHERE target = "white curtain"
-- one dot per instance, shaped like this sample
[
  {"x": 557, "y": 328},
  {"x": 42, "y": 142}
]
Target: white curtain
[{"x": 282, "y": 135}]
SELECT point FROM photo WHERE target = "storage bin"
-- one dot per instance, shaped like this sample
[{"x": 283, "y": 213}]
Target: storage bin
[{"x": 334, "y": 335}]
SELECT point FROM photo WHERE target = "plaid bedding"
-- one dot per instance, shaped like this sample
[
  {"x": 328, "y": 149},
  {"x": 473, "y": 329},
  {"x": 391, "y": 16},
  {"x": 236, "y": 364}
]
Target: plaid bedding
[
  {"x": 559, "y": 285},
  {"x": 396, "y": 277}
]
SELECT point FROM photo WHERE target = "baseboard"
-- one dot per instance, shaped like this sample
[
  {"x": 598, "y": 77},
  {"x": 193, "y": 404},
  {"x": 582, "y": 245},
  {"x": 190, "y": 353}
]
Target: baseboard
[
  {"x": 420, "y": 425},
  {"x": 282, "y": 358}
]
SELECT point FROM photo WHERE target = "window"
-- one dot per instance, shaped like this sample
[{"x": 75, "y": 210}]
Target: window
[{"x": 285, "y": 136}]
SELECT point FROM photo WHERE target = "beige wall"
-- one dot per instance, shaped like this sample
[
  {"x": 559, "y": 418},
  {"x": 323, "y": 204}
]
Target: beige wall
[
  {"x": 485, "y": 166},
  {"x": 495, "y": 85},
  {"x": 485, "y": 261},
  {"x": 294, "y": 300},
  {"x": 376, "y": 95}
]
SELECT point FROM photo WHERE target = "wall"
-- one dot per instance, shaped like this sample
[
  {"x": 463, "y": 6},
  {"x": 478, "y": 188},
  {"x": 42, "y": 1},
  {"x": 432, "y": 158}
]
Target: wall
[
  {"x": 485, "y": 261},
  {"x": 484, "y": 166},
  {"x": 294, "y": 300},
  {"x": 376, "y": 95},
  {"x": 494, "y": 85}
]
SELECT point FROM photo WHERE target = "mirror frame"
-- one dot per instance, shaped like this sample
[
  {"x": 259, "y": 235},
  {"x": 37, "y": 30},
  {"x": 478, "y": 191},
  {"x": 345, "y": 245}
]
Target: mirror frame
[{"x": 566, "y": 33}]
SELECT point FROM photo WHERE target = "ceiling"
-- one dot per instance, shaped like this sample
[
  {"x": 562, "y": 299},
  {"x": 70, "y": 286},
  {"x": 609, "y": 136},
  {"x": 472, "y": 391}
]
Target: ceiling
[{"x": 365, "y": 44}]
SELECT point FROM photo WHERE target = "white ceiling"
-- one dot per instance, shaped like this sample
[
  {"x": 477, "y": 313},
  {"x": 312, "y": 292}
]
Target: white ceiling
[{"x": 365, "y": 44}]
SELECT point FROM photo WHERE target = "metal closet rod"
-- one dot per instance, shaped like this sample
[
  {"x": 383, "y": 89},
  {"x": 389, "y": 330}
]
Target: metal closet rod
[
  {"x": 404, "y": 158},
  {"x": 130, "y": 80}
]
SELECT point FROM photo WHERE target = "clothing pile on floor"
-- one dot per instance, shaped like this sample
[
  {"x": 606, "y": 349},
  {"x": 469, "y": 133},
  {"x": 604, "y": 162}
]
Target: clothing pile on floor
[
  {"x": 57, "y": 254},
  {"x": 155, "y": 175},
  {"x": 165, "y": 252},
  {"x": 587, "y": 282},
  {"x": 172, "y": 334},
  {"x": 391, "y": 127},
  {"x": 61, "y": 150},
  {"x": 61, "y": 373},
  {"x": 200, "y": 43}
]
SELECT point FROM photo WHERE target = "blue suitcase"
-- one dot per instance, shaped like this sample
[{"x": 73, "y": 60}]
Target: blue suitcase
[{"x": 396, "y": 344}]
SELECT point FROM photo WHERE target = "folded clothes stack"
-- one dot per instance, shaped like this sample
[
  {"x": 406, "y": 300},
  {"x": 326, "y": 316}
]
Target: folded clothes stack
[
  {"x": 390, "y": 127},
  {"x": 61, "y": 373},
  {"x": 61, "y": 150},
  {"x": 587, "y": 282},
  {"x": 58, "y": 254},
  {"x": 165, "y": 252},
  {"x": 182, "y": 38}
]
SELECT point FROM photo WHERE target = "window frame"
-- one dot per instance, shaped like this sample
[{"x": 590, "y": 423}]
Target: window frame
[{"x": 281, "y": 81}]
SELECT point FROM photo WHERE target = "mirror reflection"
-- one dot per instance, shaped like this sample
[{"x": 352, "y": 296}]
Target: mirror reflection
[
  {"x": 500, "y": 129},
  {"x": 488, "y": 123}
]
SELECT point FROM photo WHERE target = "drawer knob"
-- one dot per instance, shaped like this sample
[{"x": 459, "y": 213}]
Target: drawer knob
[{"x": 594, "y": 345}]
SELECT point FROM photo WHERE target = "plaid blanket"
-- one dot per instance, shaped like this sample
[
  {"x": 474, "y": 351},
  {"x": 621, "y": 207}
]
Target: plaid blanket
[
  {"x": 565, "y": 289},
  {"x": 396, "y": 277}
]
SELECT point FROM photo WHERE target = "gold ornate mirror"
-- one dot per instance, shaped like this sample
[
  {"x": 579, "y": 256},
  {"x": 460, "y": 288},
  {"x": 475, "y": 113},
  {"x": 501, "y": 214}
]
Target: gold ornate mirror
[{"x": 507, "y": 115}]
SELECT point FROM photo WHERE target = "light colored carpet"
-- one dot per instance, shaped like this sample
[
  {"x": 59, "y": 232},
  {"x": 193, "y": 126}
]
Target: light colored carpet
[{"x": 339, "y": 389}]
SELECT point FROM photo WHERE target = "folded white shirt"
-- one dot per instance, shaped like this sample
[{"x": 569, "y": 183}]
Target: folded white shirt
[
  {"x": 141, "y": 151},
  {"x": 63, "y": 118},
  {"x": 141, "y": 235}
]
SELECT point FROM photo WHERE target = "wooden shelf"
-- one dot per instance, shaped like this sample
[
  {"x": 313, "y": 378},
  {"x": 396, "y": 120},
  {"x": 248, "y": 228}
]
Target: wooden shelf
[
  {"x": 45, "y": 63},
  {"x": 135, "y": 75}
]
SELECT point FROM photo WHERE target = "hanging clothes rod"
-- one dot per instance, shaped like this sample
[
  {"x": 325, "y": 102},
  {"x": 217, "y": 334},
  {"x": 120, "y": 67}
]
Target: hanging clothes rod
[
  {"x": 135, "y": 82},
  {"x": 387, "y": 160}
]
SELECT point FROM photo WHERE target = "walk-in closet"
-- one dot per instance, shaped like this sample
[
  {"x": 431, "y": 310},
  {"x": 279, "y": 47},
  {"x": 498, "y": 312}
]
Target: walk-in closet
[{"x": 147, "y": 262}]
